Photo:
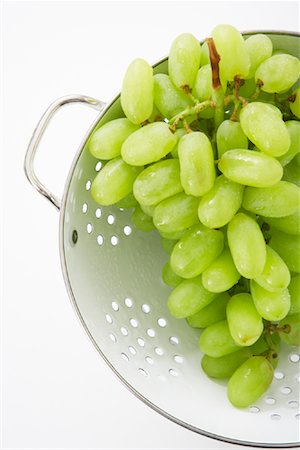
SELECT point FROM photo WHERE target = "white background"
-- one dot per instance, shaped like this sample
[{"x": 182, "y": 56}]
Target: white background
[{"x": 56, "y": 391}]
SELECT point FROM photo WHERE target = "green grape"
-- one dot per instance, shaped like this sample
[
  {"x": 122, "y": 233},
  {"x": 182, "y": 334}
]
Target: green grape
[
  {"x": 293, "y": 337},
  {"x": 196, "y": 250},
  {"x": 294, "y": 290},
  {"x": 148, "y": 144},
  {"x": 203, "y": 84},
  {"x": 173, "y": 235},
  {"x": 224, "y": 366},
  {"x": 265, "y": 227},
  {"x": 148, "y": 209},
  {"x": 260, "y": 346},
  {"x": 202, "y": 89},
  {"x": 170, "y": 277},
  {"x": 176, "y": 213},
  {"x": 248, "y": 213},
  {"x": 279, "y": 51},
  {"x": 263, "y": 126},
  {"x": 141, "y": 221},
  {"x": 293, "y": 127},
  {"x": 250, "y": 168},
  {"x": 208, "y": 113},
  {"x": 137, "y": 91},
  {"x": 296, "y": 161},
  {"x": 197, "y": 170},
  {"x": 269, "y": 98},
  {"x": 114, "y": 182},
  {"x": 168, "y": 98},
  {"x": 127, "y": 202},
  {"x": 212, "y": 313},
  {"x": 288, "y": 247},
  {"x": 228, "y": 110},
  {"x": 216, "y": 340},
  {"x": 245, "y": 323},
  {"x": 230, "y": 136},
  {"x": 205, "y": 59},
  {"x": 291, "y": 171},
  {"x": 220, "y": 204},
  {"x": 248, "y": 88},
  {"x": 157, "y": 182},
  {"x": 271, "y": 306},
  {"x": 271, "y": 71},
  {"x": 247, "y": 245},
  {"x": 168, "y": 245},
  {"x": 243, "y": 286},
  {"x": 249, "y": 382},
  {"x": 295, "y": 105},
  {"x": 179, "y": 133},
  {"x": 224, "y": 231},
  {"x": 289, "y": 224},
  {"x": 184, "y": 60},
  {"x": 232, "y": 50},
  {"x": 203, "y": 125},
  {"x": 259, "y": 48},
  {"x": 188, "y": 298},
  {"x": 266, "y": 99},
  {"x": 221, "y": 275},
  {"x": 276, "y": 275},
  {"x": 106, "y": 142},
  {"x": 156, "y": 115},
  {"x": 280, "y": 200}
]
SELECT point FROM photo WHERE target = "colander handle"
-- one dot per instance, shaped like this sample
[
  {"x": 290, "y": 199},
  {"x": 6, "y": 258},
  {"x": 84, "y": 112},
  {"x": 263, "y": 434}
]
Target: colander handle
[{"x": 38, "y": 134}]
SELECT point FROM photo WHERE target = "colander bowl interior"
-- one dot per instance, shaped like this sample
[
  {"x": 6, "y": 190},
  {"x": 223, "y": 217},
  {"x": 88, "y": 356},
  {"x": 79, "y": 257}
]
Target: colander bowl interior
[{"x": 113, "y": 275}]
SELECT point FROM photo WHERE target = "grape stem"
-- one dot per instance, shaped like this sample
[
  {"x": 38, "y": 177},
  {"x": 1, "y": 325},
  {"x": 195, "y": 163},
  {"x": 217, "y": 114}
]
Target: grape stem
[
  {"x": 243, "y": 101},
  {"x": 186, "y": 126},
  {"x": 256, "y": 94},
  {"x": 234, "y": 115},
  {"x": 270, "y": 355},
  {"x": 237, "y": 84},
  {"x": 218, "y": 99},
  {"x": 273, "y": 328},
  {"x": 292, "y": 98},
  {"x": 283, "y": 105},
  {"x": 237, "y": 100},
  {"x": 228, "y": 99},
  {"x": 188, "y": 92},
  {"x": 271, "y": 352},
  {"x": 196, "y": 109},
  {"x": 269, "y": 341},
  {"x": 214, "y": 62},
  {"x": 217, "y": 90}
]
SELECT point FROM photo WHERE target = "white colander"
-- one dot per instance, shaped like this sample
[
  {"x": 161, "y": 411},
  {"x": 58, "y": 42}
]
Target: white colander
[{"x": 113, "y": 275}]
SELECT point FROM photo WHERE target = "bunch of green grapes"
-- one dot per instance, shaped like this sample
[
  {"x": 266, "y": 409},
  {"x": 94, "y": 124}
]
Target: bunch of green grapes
[{"x": 208, "y": 155}]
